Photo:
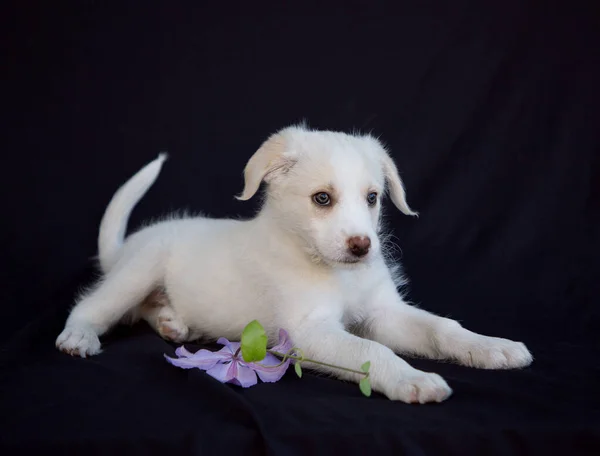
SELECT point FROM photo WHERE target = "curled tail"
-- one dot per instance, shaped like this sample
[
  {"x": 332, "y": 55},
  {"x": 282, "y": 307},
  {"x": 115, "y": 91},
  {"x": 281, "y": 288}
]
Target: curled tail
[{"x": 114, "y": 222}]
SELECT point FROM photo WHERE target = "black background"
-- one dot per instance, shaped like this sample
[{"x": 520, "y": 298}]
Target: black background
[{"x": 491, "y": 111}]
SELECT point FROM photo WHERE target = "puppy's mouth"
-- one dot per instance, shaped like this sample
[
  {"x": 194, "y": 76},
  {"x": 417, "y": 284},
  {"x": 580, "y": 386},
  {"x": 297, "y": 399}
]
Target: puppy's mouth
[
  {"x": 344, "y": 261},
  {"x": 350, "y": 260}
]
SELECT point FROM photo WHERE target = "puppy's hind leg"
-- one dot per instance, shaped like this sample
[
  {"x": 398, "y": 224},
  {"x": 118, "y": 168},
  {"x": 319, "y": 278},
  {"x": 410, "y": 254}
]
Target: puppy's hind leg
[
  {"x": 162, "y": 317},
  {"x": 125, "y": 286}
]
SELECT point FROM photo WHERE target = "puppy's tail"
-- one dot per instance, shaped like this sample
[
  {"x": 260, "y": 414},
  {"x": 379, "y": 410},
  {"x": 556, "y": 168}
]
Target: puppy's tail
[{"x": 114, "y": 222}]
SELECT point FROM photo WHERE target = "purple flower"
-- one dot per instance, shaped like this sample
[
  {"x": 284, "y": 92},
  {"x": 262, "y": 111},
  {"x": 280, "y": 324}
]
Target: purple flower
[{"x": 228, "y": 366}]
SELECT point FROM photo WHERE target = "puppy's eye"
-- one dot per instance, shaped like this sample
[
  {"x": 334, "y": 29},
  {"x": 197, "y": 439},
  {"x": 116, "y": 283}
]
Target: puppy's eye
[
  {"x": 372, "y": 199},
  {"x": 322, "y": 199}
]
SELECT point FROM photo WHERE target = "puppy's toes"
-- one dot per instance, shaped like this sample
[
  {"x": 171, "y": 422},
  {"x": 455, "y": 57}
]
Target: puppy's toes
[
  {"x": 421, "y": 388},
  {"x": 172, "y": 329},
  {"x": 496, "y": 353},
  {"x": 517, "y": 355},
  {"x": 78, "y": 341}
]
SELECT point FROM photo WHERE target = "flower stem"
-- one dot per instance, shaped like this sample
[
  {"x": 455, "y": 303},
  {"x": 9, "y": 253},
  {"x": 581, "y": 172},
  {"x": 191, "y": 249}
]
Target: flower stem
[{"x": 308, "y": 360}]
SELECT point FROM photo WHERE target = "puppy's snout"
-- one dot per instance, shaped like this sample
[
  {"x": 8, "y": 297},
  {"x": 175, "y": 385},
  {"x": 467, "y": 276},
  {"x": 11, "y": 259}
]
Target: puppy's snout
[{"x": 359, "y": 245}]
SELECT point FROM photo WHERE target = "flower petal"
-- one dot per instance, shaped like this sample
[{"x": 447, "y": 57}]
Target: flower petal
[
  {"x": 182, "y": 352},
  {"x": 234, "y": 346},
  {"x": 221, "y": 355},
  {"x": 223, "y": 372},
  {"x": 245, "y": 376},
  {"x": 230, "y": 346},
  {"x": 267, "y": 371},
  {"x": 285, "y": 343},
  {"x": 191, "y": 363}
]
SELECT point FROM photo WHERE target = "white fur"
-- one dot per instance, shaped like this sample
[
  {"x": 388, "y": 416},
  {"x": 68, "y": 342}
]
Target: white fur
[{"x": 289, "y": 267}]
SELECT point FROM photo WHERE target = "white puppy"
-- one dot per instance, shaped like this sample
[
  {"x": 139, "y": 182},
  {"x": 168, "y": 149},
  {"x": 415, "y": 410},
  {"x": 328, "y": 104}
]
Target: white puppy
[{"x": 310, "y": 262}]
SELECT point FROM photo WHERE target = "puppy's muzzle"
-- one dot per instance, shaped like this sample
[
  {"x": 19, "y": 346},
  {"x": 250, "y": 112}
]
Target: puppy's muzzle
[{"x": 359, "y": 246}]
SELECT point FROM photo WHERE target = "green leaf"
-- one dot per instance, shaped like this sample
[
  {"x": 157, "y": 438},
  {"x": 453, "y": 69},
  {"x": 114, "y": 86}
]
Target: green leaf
[
  {"x": 365, "y": 386},
  {"x": 254, "y": 342},
  {"x": 298, "y": 370},
  {"x": 365, "y": 367}
]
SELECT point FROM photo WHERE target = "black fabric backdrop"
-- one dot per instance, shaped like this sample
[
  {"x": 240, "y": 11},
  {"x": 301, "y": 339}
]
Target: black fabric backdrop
[{"x": 491, "y": 110}]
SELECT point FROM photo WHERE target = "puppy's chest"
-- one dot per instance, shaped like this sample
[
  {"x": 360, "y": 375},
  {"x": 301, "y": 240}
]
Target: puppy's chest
[{"x": 354, "y": 290}]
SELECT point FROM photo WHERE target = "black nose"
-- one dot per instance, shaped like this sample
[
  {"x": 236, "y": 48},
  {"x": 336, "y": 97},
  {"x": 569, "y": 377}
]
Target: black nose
[{"x": 359, "y": 246}]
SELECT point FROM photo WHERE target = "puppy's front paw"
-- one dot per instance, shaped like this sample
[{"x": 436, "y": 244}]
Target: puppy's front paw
[
  {"x": 420, "y": 387},
  {"x": 78, "y": 341},
  {"x": 495, "y": 353}
]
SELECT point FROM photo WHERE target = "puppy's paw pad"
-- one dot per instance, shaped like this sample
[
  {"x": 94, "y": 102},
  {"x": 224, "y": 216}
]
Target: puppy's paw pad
[
  {"x": 421, "y": 388},
  {"x": 78, "y": 341},
  {"x": 172, "y": 329}
]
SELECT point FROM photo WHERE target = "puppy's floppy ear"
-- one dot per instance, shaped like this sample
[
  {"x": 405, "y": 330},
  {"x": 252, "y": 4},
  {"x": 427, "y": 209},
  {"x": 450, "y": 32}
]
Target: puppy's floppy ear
[
  {"x": 267, "y": 162},
  {"x": 395, "y": 185}
]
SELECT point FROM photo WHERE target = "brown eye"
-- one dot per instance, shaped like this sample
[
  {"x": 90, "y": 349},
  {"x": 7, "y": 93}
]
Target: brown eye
[
  {"x": 372, "y": 199},
  {"x": 322, "y": 199}
]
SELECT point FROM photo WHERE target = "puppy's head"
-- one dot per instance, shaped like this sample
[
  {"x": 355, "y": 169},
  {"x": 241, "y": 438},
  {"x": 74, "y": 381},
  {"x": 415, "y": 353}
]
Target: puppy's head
[{"x": 326, "y": 188}]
